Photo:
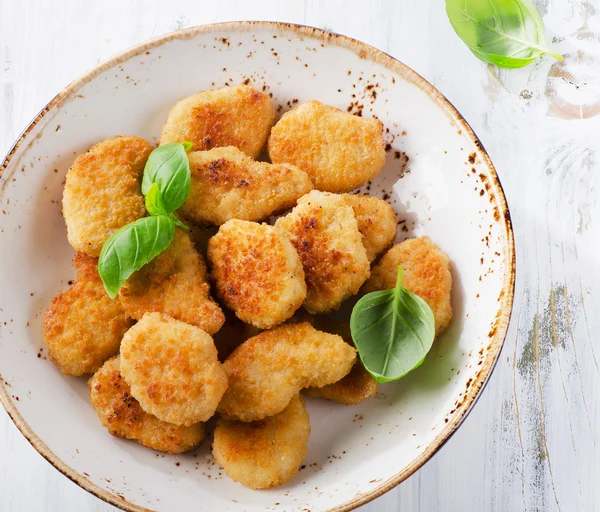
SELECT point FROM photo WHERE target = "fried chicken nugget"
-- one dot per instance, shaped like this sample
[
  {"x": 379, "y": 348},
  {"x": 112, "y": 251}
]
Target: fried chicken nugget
[
  {"x": 227, "y": 184},
  {"x": 122, "y": 415},
  {"x": 103, "y": 191},
  {"x": 83, "y": 327},
  {"x": 174, "y": 283},
  {"x": 257, "y": 272},
  {"x": 173, "y": 370},
  {"x": 425, "y": 272},
  {"x": 266, "y": 371},
  {"x": 325, "y": 233},
  {"x": 353, "y": 389},
  {"x": 232, "y": 116},
  {"x": 264, "y": 453},
  {"x": 339, "y": 151},
  {"x": 376, "y": 222}
]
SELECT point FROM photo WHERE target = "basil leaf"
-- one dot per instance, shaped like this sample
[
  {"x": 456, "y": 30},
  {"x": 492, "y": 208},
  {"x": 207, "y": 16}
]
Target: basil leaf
[
  {"x": 507, "y": 33},
  {"x": 130, "y": 248},
  {"x": 154, "y": 202},
  {"x": 393, "y": 331},
  {"x": 168, "y": 167}
]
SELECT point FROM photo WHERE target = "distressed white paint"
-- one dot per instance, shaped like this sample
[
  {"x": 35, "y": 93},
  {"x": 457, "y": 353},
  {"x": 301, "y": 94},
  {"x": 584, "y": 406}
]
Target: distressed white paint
[{"x": 530, "y": 442}]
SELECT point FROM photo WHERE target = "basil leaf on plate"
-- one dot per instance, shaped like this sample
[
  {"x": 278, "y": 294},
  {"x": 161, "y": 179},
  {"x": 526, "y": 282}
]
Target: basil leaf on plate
[
  {"x": 168, "y": 167},
  {"x": 130, "y": 248},
  {"x": 393, "y": 331},
  {"x": 506, "y": 33}
]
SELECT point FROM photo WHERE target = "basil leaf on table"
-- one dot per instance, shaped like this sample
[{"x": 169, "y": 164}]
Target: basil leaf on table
[
  {"x": 130, "y": 248},
  {"x": 393, "y": 331},
  {"x": 506, "y": 33},
  {"x": 168, "y": 167}
]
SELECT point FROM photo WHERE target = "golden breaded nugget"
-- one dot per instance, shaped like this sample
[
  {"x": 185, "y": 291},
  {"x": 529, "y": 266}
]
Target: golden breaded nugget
[
  {"x": 122, "y": 415},
  {"x": 425, "y": 272},
  {"x": 83, "y": 327},
  {"x": 376, "y": 222},
  {"x": 353, "y": 389},
  {"x": 232, "y": 116},
  {"x": 257, "y": 272},
  {"x": 266, "y": 371},
  {"x": 174, "y": 283},
  {"x": 338, "y": 151},
  {"x": 264, "y": 453},
  {"x": 103, "y": 191},
  {"x": 227, "y": 184},
  {"x": 173, "y": 370},
  {"x": 325, "y": 233}
]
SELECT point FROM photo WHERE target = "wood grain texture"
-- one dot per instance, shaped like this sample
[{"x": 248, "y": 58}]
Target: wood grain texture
[{"x": 530, "y": 443}]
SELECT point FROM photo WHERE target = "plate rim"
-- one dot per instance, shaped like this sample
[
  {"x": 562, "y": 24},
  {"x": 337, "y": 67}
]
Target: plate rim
[{"x": 364, "y": 51}]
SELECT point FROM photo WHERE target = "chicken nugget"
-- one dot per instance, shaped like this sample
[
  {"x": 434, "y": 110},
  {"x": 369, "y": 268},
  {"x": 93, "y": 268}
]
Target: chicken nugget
[
  {"x": 338, "y": 151},
  {"x": 227, "y": 184},
  {"x": 122, "y": 415},
  {"x": 232, "y": 116},
  {"x": 103, "y": 192},
  {"x": 83, "y": 327},
  {"x": 376, "y": 222},
  {"x": 425, "y": 272},
  {"x": 174, "y": 283},
  {"x": 266, "y": 371},
  {"x": 257, "y": 272},
  {"x": 353, "y": 389},
  {"x": 173, "y": 369},
  {"x": 264, "y": 453},
  {"x": 325, "y": 233}
]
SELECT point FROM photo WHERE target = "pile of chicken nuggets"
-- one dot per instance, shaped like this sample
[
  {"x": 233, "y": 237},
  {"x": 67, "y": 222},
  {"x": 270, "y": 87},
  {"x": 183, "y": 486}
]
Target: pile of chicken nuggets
[{"x": 225, "y": 324}]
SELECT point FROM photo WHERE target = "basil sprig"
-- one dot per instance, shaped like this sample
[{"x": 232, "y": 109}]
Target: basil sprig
[
  {"x": 506, "y": 33},
  {"x": 393, "y": 330},
  {"x": 166, "y": 185}
]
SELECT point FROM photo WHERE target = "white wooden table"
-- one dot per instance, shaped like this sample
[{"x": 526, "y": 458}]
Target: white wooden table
[{"x": 530, "y": 443}]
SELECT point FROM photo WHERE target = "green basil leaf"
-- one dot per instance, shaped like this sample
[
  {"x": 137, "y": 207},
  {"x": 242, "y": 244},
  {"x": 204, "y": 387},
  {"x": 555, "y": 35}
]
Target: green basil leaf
[
  {"x": 506, "y": 33},
  {"x": 169, "y": 168},
  {"x": 393, "y": 331},
  {"x": 154, "y": 202},
  {"x": 130, "y": 248}
]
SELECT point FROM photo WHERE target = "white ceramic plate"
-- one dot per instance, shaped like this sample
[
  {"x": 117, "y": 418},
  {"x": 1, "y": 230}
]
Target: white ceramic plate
[{"x": 449, "y": 190}]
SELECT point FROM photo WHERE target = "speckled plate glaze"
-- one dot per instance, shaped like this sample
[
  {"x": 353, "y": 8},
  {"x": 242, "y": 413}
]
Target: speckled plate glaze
[{"x": 437, "y": 177}]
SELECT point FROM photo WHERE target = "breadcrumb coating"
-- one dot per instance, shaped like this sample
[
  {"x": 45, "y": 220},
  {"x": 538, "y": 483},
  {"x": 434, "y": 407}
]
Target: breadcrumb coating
[
  {"x": 354, "y": 388},
  {"x": 325, "y": 233},
  {"x": 376, "y": 222},
  {"x": 257, "y": 272},
  {"x": 122, "y": 415},
  {"x": 103, "y": 192},
  {"x": 174, "y": 283},
  {"x": 173, "y": 370},
  {"x": 266, "y": 371},
  {"x": 83, "y": 327},
  {"x": 227, "y": 184},
  {"x": 237, "y": 116},
  {"x": 339, "y": 151},
  {"x": 265, "y": 453}
]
